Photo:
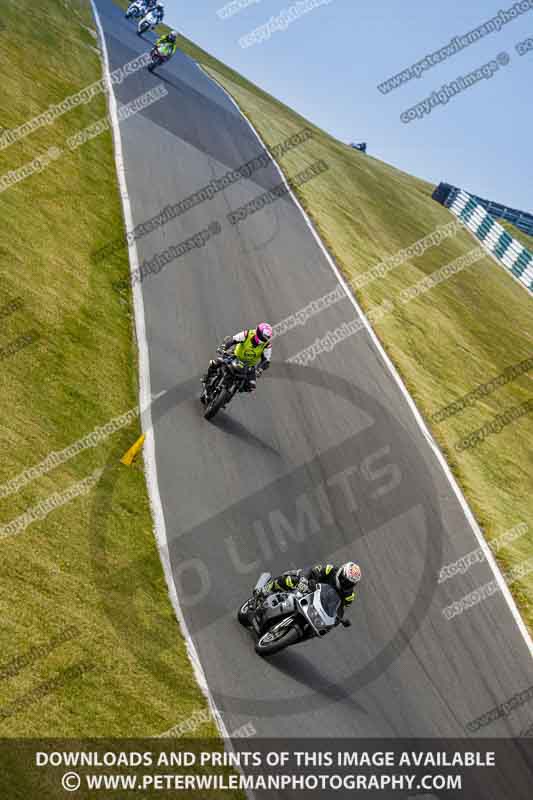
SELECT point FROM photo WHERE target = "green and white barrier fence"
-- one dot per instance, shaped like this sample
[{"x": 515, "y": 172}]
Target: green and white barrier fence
[{"x": 512, "y": 255}]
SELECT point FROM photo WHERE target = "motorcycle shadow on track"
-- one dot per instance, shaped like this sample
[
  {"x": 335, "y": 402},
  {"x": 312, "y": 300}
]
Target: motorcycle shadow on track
[
  {"x": 298, "y": 668},
  {"x": 159, "y": 73},
  {"x": 235, "y": 428}
]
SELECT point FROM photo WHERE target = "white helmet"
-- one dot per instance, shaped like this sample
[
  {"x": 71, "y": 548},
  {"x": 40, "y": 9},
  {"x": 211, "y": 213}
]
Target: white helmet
[{"x": 347, "y": 576}]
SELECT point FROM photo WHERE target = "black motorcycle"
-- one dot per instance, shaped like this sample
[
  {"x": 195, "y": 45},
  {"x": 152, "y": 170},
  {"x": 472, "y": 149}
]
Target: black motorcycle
[
  {"x": 232, "y": 376},
  {"x": 286, "y": 618}
]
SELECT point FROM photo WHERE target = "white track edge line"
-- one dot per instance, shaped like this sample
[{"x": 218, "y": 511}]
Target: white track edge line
[
  {"x": 416, "y": 413},
  {"x": 145, "y": 400}
]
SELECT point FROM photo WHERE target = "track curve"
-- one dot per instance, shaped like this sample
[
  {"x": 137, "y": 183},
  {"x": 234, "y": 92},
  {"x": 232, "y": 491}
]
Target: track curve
[{"x": 324, "y": 463}]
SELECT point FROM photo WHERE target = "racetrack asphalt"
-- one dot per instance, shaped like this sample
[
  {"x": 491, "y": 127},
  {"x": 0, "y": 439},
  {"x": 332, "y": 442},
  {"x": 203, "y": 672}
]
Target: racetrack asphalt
[{"x": 325, "y": 462}]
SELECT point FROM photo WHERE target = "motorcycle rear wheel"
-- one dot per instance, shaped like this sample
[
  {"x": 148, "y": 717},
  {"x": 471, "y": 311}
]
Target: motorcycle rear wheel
[{"x": 285, "y": 637}]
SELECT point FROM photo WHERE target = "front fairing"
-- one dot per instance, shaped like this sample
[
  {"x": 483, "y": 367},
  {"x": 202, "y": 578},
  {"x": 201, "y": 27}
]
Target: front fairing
[
  {"x": 330, "y": 600},
  {"x": 320, "y": 608}
]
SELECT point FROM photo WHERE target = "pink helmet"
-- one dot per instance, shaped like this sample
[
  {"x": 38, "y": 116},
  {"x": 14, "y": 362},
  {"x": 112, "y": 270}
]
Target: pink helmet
[{"x": 263, "y": 333}]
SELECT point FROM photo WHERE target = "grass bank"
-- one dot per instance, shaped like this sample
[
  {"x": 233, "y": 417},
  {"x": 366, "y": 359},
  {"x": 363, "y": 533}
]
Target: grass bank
[{"x": 89, "y": 644}]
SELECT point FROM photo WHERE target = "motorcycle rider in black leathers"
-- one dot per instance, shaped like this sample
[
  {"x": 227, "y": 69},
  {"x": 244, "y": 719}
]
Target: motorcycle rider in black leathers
[{"x": 342, "y": 578}]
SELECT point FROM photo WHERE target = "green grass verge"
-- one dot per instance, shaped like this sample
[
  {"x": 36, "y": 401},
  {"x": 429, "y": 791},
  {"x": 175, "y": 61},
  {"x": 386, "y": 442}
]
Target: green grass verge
[
  {"x": 89, "y": 644},
  {"x": 463, "y": 333}
]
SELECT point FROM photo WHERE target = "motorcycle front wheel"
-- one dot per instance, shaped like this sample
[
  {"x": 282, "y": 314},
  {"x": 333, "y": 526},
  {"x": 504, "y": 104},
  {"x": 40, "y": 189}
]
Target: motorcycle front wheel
[
  {"x": 277, "y": 639},
  {"x": 216, "y": 404}
]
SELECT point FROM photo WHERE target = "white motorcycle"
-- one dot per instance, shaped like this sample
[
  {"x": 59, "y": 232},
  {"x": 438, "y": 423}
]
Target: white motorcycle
[
  {"x": 136, "y": 9},
  {"x": 148, "y": 22},
  {"x": 286, "y": 618}
]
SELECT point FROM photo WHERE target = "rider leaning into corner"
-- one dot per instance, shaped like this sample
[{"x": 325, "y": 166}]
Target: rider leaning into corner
[
  {"x": 342, "y": 578},
  {"x": 167, "y": 44},
  {"x": 253, "y": 347}
]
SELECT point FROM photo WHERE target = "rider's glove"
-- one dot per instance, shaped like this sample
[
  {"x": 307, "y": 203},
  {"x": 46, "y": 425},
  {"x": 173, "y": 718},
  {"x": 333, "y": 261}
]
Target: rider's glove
[{"x": 265, "y": 591}]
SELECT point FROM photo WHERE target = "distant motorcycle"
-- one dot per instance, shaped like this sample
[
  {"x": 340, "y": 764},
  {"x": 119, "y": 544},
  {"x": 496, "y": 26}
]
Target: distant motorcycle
[
  {"x": 148, "y": 22},
  {"x": 159, "y": 54},
  {"x": 230, "y": 378},
  {"x": 136, "y": 9},
  {"x": 286, "y": 618}
]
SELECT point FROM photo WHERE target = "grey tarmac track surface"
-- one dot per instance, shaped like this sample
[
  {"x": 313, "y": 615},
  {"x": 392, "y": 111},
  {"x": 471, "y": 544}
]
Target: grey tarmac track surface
[{"x": 324, "y": 463}]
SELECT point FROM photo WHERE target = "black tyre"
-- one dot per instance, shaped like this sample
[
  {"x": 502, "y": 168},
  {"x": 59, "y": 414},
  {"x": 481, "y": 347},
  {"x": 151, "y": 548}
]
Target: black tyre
[
  {"x": 275, "y": 640},
  {"x": 216, "y": 404}
]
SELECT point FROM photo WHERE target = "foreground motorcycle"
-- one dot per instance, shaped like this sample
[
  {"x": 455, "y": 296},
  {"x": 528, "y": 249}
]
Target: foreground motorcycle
[
  {"x": 147, "y": 23},
  {"x": 159, "y": 54},
  {"x": 136, "y": 9},
  {"x": 230, "y": 378},
  {"x": 285, "y": 618}
]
